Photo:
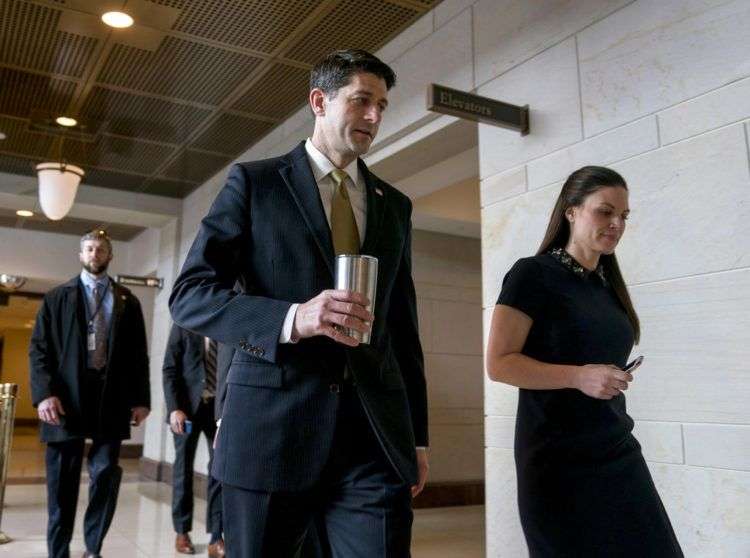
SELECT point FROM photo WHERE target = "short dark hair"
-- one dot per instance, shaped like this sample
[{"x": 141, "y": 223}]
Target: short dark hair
[
  {"x": 336, "y": 70},
  {"x": 97, "y": 234}
]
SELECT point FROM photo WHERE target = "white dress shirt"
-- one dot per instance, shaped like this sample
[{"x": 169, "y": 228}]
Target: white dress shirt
[{"x": 355, "y": 187}]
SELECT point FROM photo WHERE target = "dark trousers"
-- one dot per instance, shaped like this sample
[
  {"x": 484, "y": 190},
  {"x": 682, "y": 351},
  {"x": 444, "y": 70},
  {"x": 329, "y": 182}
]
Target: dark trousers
[
  {"x": 64, "y": 461},
  {"x": 185, "y": 446},
  {"x": 359, "y": 508}
]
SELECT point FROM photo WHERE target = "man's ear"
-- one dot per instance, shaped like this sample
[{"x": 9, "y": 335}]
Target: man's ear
[{"x": 317, "y": 101}]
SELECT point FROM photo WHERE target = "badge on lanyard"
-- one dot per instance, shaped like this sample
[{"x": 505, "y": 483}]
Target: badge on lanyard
[{"x": 91, "y": 337}]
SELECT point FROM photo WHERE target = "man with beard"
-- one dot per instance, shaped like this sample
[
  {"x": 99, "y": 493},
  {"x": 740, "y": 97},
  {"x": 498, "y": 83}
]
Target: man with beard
[{"x": 89, "y": 380}]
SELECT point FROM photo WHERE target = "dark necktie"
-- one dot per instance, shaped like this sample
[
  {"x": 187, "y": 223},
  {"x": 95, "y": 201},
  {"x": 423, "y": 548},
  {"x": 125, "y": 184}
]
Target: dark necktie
[
  {"x": 210, "y": 367},
  {"x": 99, "y": 358}
]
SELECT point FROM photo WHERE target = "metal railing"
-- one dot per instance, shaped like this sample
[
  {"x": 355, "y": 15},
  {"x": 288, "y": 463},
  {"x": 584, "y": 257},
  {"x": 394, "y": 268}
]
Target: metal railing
[{"x": 8, "y": 393}]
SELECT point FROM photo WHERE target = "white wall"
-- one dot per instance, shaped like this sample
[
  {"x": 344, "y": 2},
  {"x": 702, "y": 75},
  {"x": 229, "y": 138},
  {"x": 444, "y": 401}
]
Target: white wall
[
  {"x": 660, "y": 91},
  {"x": 447, "y": 274},
  {"x": 48, "y": 258}
]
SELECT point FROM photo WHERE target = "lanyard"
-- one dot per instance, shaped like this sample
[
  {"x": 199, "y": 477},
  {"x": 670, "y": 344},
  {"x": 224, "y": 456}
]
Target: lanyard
[{"x": 98, "y": 307}]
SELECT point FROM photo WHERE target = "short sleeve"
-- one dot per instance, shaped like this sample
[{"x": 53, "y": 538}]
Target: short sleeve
[{"x": 524, "y": 289}]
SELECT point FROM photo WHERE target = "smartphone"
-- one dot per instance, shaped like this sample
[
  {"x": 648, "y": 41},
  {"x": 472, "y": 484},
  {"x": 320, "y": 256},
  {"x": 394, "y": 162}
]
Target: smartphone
[
  {"x": 188, "y": 426},
  {"x": 633, "y": 365}
]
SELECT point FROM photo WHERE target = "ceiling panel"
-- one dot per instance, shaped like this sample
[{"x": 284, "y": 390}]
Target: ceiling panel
[
  {"x": 142, "y": 117},
  {"x": 23, "y": 92},
  {"x": 278, "y": 93},
  {"x": 178, "y": 68},
  {"x": 196, "y": 166},
  {"x": 20, "y": 140},
  {"x": 29, "y": 38},
  {"x": 168, "y": 187},
  {"x": 17, "y": 165},
  {"x": 231, "y": 134},
  {"x": 254, "y": 24},
  {"x": 120, "y": 153},
  {"x": 115, "y": 180},
  {"x": 69, "y": 225},
  {"x": 353, "y": 24}
]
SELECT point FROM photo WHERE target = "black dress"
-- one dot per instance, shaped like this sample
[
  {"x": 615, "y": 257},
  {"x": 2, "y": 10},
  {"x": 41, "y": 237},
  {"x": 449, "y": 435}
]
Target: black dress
[{"x": 583, "y": 486}]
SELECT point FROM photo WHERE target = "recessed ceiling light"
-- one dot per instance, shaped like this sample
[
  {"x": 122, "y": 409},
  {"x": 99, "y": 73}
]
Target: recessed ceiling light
[
  {"x": 2, "y": 136},
  {"x": 24, "y": 213},
  {"x": 119, "y": 20},
  {"x": 66, "y": 121}
]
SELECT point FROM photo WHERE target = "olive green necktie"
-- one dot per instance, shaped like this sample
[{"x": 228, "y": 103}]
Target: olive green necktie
[{"x": 343, "y": 224}]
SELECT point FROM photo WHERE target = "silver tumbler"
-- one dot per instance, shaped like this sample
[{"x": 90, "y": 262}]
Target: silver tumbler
[{"x": 358, "y": 274}]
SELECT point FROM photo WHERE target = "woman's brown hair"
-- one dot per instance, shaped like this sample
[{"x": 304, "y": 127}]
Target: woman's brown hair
[{"x": 579, "y": 185}]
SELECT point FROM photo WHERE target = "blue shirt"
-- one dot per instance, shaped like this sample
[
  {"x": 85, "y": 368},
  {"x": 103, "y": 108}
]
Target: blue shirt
[{"x": 89, "y": 281}]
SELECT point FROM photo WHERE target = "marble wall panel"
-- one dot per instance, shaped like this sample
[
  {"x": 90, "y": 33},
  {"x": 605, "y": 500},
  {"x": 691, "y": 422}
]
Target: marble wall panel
[
  {"x": 717, "y": 108},
  {"x": 653, "y": 54},
  {"x": 508, "y": 32},
  {"x": 555, "y": 117}
]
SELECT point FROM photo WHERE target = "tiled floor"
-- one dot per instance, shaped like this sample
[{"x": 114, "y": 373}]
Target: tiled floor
[
  {"x": 26, "y": 463},
  {"x": 142, "y": 527}
]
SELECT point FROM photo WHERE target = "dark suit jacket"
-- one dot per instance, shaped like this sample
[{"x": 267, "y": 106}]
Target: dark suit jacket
[
  {"x": 224, "y": 356},
  {"x": 58, "y": 356},
  {"x": 183, "y": 372},
  {"x": 267, "y": 230}
]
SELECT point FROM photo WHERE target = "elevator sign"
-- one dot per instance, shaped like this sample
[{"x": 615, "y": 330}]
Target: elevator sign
[
  {"x": 136, "y": 281},
  {"x": 473, "y": 107}
]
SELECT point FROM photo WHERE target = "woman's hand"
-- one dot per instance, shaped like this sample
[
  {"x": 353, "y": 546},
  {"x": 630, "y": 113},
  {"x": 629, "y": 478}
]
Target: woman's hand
[{"x": 601, "y": 381}]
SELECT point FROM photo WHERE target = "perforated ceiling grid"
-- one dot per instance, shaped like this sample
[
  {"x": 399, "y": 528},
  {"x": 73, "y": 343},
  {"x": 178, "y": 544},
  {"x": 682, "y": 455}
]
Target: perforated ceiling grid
[
  {"x": 69, "y": 225},
  {"x": 144, "y": 117},
  {"x": 231, "y": 133},
  {"x": 195, "y": 166},
  {"x": 277, "y": 92},
  {"x": 254, "y": 24},
  {"x": 169, "y": 113},
  {"x": 46, "y": 49},
  {"x": 353, "y": 24},
  {"x": 21, "y": 140},
  {"x": 23, "y": 92}
]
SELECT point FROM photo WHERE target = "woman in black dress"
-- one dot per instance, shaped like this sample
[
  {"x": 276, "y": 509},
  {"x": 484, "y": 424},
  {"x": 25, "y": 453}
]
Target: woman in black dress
[{"x": 562, "y": 331}]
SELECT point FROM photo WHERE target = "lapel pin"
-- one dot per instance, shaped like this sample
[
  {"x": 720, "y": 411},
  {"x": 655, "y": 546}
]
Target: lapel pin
[{"x": 378, "y": 191}]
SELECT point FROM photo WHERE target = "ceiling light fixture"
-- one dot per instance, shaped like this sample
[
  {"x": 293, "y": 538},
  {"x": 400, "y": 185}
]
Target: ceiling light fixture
[
  {"x": 66, "y": 121},
  {"x": 2, "y": 136},
  {"x": 11, "y": 282},
  {"x": 24, "y": 213},
  {"x": 58, "y": 184},
  {"x": 119, "y": 20}
]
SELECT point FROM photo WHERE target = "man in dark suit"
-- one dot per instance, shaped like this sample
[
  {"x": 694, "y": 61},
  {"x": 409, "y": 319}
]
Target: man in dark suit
[
  {"x": 190, "y": 388},
  {"x": 314, "y": 423},
  {"x": 89, "y": 379}
]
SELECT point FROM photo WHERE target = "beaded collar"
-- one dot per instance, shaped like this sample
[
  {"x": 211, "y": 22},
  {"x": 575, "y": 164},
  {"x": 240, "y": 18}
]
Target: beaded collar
[{"x": 569, "y": 261}]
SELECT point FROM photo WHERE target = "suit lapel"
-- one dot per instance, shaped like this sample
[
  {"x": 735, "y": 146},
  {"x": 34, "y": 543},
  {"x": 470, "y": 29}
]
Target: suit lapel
[
  {"x": 75, "y": 319},
  {"x": 299, "y": 178},
  {"x": 118, "y": 304},
  {"x": 376, "y": 199}
]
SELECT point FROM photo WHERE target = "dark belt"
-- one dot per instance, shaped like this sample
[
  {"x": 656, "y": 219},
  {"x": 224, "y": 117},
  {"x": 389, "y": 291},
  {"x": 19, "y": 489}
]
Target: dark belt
[{"x": 96, "y": 371}]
